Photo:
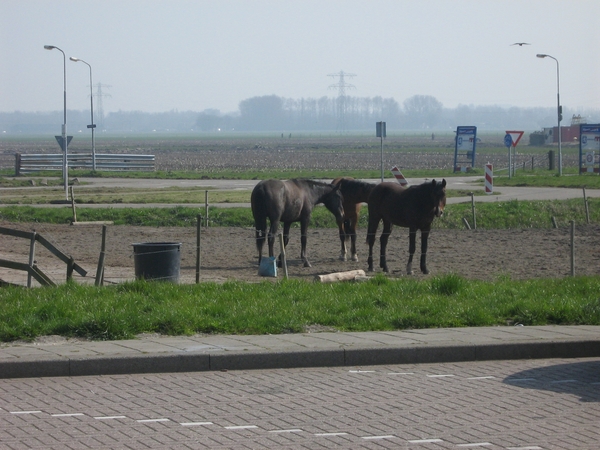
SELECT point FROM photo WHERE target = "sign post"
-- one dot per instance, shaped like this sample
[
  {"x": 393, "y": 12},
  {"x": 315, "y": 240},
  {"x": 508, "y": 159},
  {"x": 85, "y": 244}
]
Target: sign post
[
  {"x": 511, "y": 139},
  {"x": 380, "y": 132}
]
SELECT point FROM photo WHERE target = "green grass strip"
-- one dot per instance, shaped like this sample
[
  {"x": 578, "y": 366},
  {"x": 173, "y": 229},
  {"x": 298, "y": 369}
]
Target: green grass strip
[
  {"x": 288, "y": 306},
  {"x": 498, "y": 215}
]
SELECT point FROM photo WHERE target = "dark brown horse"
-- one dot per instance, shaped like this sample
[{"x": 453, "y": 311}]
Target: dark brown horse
[
  {"x": 355, "y": 193},
  {"x": 291, "y": 201},
  {"x": 414, "y": 207}
]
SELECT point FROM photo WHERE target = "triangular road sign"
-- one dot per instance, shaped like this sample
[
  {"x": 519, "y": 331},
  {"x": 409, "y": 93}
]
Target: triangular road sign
[
  {"x": 515, "y": 136},
  {"x": 61, "y": 141}
]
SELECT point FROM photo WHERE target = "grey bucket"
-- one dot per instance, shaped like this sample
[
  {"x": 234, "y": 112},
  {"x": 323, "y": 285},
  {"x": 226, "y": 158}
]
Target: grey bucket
[{"x": 157, "y": 261}]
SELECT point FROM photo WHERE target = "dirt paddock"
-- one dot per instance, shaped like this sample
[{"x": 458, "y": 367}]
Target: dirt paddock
[{"x": 230, "y": 253}]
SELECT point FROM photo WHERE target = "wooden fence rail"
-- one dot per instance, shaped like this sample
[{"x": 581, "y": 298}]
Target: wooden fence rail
[
  {"x": 32, "y": 270},
  {"x": 26, "y": 163}
]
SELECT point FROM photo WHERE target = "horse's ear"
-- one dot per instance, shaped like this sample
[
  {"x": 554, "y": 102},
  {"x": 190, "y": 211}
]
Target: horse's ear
[
  {"x": 336, "y": 187},
  {"x": 433, "y": 182},
  {"x": 444, "y": 182}
]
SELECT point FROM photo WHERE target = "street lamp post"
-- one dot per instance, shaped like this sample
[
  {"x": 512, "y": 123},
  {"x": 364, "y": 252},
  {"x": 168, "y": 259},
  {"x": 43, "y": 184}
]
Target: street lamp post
[
  {"x": 558, "y": 109},
  {"x": 92, "y": 126},
  {"x": 64, "y": 127}
]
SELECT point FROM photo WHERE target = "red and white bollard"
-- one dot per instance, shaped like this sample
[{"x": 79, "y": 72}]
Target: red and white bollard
[
  {"x": 489, "y": 179},
  {"x": 399, "y": 177}
]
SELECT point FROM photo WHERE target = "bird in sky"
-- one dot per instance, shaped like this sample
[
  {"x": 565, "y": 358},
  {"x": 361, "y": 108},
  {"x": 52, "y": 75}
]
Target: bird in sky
[{"x": 521, "y": 44}]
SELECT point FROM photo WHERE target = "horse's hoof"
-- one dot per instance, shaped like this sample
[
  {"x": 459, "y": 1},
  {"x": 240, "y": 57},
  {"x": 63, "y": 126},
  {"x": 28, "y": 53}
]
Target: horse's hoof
[
  {"x": 342, "y": 257},
  {"x": 370, "y": 269},
  {"x": 425, "y": 272},
  {"x": 355, "y": 258},
  {"x": 409, "y": 272}
]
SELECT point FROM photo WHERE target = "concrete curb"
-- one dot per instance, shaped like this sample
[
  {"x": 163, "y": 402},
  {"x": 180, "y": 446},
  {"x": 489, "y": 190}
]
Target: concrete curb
[{"x": 166, "y": 362}]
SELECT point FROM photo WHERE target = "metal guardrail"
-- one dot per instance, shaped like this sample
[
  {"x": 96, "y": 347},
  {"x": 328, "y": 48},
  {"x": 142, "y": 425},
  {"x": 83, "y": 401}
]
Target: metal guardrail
[{"x": 28, "y": 162}]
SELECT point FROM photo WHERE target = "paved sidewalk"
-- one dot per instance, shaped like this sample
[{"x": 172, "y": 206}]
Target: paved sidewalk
[{"x": 158, "y": 354}]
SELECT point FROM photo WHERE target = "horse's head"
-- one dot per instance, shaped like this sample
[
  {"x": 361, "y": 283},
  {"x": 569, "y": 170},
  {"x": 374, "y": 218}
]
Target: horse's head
[
  {"x": 334, "y": 202},
  {"x": 438, "y": 195}
]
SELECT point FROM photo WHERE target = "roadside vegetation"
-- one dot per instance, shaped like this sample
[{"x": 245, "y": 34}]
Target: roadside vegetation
[
  {"x": 498, "y": 215},
  {"x": 288, "y": 306}
]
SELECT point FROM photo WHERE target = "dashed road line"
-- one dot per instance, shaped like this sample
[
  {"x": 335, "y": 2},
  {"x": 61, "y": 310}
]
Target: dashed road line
[
  {"x": 110, "y": 417},
  {"x": 194, "y": 424}
]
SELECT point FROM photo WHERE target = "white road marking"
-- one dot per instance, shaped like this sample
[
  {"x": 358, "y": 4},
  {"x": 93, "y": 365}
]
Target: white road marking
[
  {"x": 474, "y": 444},
  {"x": 67, "y": 415},
  {"x": 481, "y": 378},
  {"x": 295, "y": 430},
  {"x": 564, "y": 381},
  {"x": 425, "y": 441},
  {"x": 194, "y": 424},
  {"x": 153, "y": 420},
  {"x": 240, "y": 427},
  {"x": 401, "y": 373},
  {"x": 330, "y": 434},
  {"x": 25, "y": 412},
  {"x": 439, "y": 376},
  {"x": 110, "y": 417},
  {"x": 389, "y": 436}
]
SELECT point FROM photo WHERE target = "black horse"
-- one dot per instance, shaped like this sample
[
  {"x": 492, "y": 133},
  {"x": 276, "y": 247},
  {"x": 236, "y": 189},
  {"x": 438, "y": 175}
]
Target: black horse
[
  {"x": 355, "y": 193},
  {"x": 414, "y": 207},
  {"x": 291, "y": 201}
]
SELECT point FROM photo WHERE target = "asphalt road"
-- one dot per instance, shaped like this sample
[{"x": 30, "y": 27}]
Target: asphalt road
[{"x": 518, "y": 405}]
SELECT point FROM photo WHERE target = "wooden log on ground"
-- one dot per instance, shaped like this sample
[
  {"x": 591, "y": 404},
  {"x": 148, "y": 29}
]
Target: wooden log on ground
[{"x": 340, "y": 276}]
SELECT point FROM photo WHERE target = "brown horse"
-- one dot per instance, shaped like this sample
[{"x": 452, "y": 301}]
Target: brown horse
[
  {"x": 414, "y": 207},
  {"x": 355, "y": 193},
  {"x": 291, "y": 201}
]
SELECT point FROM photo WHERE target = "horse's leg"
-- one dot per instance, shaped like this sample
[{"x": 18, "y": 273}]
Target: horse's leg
[
  {"x": 271, "y": 238},
  {"x": 385, "y": 235},
  {"x": 412, "y": 246},
  {"x": 343, "y": 240},
  {"x": 424, "y": 238},
  {"x": 303, "y": 238},
  {"x": 353, "y": 225},
  {"x": 371, "y": 232},
  {"x": 261, "y": 233}
]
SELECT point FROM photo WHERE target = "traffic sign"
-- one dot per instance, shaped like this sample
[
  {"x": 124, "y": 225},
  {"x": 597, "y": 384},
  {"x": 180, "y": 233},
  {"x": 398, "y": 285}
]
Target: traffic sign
[
  {"x": 507, "y": 140},
  {"x": 515, "y": 137}
]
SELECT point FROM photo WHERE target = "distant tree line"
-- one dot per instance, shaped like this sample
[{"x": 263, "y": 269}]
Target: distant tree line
[{"x": 278, "y": 114}]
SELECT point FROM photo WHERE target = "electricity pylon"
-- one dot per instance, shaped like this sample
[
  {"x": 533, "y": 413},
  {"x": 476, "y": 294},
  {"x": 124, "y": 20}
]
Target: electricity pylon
[{"x": 341, "y": 86}]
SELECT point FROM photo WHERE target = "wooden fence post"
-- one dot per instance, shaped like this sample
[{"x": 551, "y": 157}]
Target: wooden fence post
[
  {"x": 572, "y": 248},
  {"x": 198, "y": 227},
  {"x": 473, "y": 209},
  {"x": 283, "y": 259},
  {"x": 31, "y": 257},
  {"x": 587, "y": 207},
  {"x": 100, "y": 271},
  {"x": 206, "y": 208}
]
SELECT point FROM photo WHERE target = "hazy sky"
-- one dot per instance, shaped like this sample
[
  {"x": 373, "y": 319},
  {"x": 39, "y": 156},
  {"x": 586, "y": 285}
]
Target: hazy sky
[{"x": 160, "y": 55}]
